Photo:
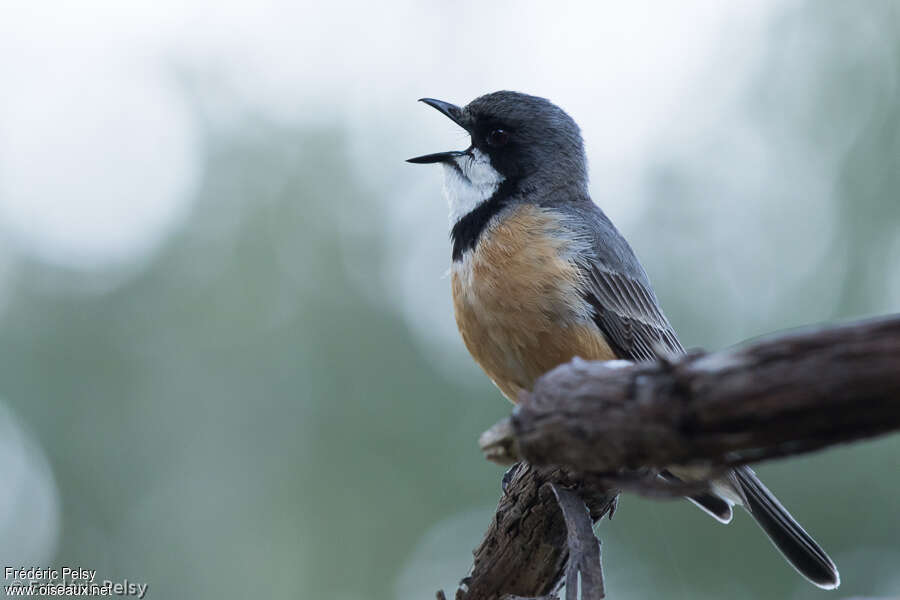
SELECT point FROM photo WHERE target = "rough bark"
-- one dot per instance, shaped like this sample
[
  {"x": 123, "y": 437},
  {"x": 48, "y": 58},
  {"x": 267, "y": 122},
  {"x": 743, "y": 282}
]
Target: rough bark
[
  {"x": 779, "y": 396},
  {"x": 527, "y": 547},
  {"x": 589, "y": 429}
]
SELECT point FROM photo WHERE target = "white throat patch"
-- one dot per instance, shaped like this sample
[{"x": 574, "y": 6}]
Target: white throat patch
[{"x": 472, "y": 183}]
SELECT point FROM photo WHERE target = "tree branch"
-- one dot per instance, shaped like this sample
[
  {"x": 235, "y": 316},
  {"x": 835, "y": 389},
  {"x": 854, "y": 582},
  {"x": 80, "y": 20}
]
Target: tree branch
[
  {"x": 527, "y": 547},
  {"x": 780, "y": 396},
  {"x": 592, "y": 428}
]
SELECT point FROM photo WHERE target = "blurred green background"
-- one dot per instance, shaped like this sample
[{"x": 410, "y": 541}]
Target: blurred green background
[{"x": 228, "y": 364}]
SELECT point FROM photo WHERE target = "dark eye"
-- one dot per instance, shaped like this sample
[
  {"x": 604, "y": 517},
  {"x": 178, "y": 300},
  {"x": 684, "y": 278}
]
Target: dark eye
[{"x": 497, "y": 138}]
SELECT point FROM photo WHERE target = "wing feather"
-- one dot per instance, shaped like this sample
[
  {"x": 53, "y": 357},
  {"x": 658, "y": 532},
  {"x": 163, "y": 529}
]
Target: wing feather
[{"x": 627, "y": 312}]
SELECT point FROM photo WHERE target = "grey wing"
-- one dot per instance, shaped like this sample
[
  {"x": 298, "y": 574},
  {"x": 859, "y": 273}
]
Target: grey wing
[
  {"x": 626, "y": 311},
  {"x": 628, "y": 314},
  {"x": 617, "y": 287}
]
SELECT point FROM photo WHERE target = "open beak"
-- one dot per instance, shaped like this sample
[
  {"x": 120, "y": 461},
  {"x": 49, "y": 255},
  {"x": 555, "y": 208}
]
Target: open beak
[{"x": 455, "y": 114}]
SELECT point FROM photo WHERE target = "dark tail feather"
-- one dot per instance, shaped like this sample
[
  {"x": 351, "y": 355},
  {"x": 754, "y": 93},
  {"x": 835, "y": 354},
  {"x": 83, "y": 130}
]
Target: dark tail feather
[
  {"x": 714, "y": 506},
  {"x": 718, "y": 508},
  {"x": 798, "y": 548}
]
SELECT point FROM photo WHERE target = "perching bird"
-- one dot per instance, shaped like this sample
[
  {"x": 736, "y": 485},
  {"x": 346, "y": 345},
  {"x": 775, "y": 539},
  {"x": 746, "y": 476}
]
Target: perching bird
[{"x": 540, "y": 275}]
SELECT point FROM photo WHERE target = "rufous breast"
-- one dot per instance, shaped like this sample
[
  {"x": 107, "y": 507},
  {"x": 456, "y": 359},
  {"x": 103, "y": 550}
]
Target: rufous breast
[{"x": 518, "y": 299}]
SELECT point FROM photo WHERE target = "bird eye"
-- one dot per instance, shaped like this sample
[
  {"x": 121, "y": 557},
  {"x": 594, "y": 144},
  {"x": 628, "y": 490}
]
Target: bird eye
[{"x": 497, "y": 138}]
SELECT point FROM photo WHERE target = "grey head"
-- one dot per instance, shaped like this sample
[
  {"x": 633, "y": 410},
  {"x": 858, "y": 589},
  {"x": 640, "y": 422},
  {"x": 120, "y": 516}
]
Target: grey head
[{"x": 519, "y": 143}]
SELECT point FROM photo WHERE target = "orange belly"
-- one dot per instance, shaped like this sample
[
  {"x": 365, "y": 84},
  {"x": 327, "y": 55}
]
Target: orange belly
[{"x": 518, "y": 301}]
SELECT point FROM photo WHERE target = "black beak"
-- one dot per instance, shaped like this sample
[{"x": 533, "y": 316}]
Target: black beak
[{"x": 454, "y": 113}]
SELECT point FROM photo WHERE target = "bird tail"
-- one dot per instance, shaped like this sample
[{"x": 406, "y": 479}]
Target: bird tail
[
  {"x": 786, "y": 534},
  {"x": 713, "y": 505}
]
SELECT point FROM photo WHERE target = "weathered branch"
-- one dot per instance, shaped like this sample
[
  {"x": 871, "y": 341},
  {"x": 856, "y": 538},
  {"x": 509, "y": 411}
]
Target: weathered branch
[
  {"x": 590, "y": 428},
  {"x": 584, "y": 569},
  {"x": 780, "y": 396},
  {"x": 527, "y": 547}
]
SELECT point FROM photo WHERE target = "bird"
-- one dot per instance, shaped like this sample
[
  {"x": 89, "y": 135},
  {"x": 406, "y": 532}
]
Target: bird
[{"x": 540, "y": 275}]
